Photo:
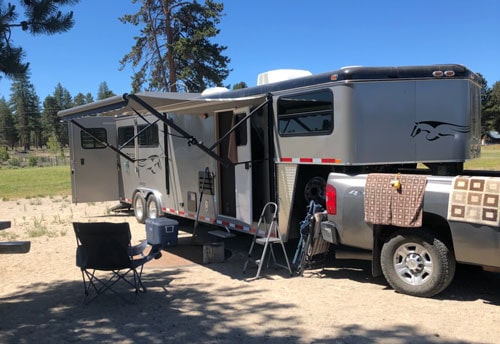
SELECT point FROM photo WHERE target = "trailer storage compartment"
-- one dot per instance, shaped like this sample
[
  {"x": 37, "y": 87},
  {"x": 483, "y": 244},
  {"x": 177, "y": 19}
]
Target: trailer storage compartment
[{"x": 162, "y": 231}]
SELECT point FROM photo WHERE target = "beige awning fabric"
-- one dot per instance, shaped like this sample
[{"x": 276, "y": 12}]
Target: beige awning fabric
[{"x": 179, "y": 103}]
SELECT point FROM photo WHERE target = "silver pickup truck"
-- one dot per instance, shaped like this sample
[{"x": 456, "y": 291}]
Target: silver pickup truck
[{"x": 418, "y": 258}]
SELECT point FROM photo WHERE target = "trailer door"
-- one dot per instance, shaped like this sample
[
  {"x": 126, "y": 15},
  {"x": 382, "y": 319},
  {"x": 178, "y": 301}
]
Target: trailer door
[
  {"x": 236, "y": 180},
  {"x": 94, "y": 169}
]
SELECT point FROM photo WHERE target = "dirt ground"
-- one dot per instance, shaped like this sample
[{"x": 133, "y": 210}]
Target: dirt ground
[{"x": 41, "y": 294}]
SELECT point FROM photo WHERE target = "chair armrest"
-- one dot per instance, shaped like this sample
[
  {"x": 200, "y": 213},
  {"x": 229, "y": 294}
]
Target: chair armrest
[
  {"x": 15, "y": 247},
  {"x": 137, "y": 249}
]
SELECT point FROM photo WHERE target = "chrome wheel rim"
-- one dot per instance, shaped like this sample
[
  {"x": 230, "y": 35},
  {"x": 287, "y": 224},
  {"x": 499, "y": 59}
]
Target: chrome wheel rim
[{"x": 413, "y": 264}]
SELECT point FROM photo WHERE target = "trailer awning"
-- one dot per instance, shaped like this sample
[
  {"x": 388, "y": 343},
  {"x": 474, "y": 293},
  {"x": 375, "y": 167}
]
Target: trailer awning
[{"x": 180, "y": 103}]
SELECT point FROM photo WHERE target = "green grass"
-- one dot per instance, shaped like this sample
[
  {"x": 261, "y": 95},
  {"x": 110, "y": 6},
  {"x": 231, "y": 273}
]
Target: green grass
[
  {"x": 56, "y": 181},
  {"x": 489, "y": 160},
  {"x": 35, "y": 182}
]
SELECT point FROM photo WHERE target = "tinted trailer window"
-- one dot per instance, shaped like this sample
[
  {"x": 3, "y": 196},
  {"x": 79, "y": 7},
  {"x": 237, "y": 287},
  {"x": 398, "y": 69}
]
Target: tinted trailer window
[{"x": 306, "y": 114}]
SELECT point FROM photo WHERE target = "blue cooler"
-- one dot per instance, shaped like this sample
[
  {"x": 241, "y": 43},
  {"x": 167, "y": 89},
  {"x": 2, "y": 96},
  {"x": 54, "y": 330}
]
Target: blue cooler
[{"x": 162, "y": 231}]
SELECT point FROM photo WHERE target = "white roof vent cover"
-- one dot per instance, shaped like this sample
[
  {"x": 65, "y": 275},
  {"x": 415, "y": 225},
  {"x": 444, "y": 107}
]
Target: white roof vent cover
[
  {"x": 214, "y": 90},
  {"x": 281, "y": 75}
]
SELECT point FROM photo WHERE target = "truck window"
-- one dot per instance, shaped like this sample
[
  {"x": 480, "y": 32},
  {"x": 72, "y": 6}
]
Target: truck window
[
  {"x": 306, "y": 114},
  {"x": 88, "y": 142},
  {"x": 148, "y": 138}
]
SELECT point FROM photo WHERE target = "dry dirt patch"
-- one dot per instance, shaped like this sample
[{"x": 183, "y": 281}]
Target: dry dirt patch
[{"x": 41, "y": 296}]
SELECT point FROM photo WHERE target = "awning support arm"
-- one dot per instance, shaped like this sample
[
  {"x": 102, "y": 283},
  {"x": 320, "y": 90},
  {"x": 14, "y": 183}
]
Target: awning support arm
[
  {"x": 191, "y": 139},
  {"x": 101, "y": 141},
  {"x": 254, "y": 111}
]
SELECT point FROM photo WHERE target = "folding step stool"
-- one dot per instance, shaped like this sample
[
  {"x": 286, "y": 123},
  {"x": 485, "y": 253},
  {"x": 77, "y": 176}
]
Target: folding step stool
[{"x": 270, "y": 237}]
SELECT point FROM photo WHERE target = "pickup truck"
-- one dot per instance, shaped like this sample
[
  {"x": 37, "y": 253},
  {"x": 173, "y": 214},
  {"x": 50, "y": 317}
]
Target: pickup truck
[{"x": 418, "y": 260}]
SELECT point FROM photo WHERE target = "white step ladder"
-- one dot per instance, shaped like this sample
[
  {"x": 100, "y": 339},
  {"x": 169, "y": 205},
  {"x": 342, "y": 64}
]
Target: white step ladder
[{"x": 267, "y": 234}]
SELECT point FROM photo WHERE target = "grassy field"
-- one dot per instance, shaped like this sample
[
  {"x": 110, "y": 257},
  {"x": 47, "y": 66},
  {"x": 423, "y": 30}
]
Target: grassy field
[
  {"x": 489, "y": 160},
  {"x": 35, "y": 182},
  {"x": 54, "y": 181}
]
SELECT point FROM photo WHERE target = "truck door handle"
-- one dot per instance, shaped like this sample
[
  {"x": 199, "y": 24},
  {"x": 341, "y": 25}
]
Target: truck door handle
[{"x": 82, "y": 162}]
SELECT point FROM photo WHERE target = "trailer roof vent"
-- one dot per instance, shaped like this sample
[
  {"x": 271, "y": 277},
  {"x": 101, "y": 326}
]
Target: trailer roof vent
[
  {"x": 214, "y": 90},
  {"x": 281, "y": 75}
]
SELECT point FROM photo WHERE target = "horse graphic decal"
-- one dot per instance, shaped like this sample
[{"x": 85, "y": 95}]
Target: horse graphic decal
[
  {"x": 435, "y": 130},
  {"x": 151, "y": 163}
]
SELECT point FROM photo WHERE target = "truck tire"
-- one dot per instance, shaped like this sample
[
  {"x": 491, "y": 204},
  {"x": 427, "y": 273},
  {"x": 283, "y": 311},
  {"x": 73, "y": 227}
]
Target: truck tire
[
  {"x": 153, "y": 209},
  {"x": 139, "y": 204},
  {"x": 415, "y": 262}
]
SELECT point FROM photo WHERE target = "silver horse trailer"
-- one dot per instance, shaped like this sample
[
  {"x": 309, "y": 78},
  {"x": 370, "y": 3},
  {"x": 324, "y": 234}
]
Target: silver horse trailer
[{"x": 220, "y": 156}]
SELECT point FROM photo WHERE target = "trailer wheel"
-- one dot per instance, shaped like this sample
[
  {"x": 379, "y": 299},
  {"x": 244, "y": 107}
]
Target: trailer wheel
[
  {"x": 139, "y": 204},
  {"x": 152, "y": 207},
  {"x": 415, "y": 262}
]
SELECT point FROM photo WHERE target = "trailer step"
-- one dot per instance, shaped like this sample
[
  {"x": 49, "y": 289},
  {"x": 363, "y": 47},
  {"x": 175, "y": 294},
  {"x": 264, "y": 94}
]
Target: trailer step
[{"x": 222, "y": 234}]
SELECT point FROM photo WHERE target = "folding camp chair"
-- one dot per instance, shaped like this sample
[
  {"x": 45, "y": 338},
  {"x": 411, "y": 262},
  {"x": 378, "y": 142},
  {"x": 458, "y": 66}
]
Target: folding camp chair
[{"x": 104, "y": 246}]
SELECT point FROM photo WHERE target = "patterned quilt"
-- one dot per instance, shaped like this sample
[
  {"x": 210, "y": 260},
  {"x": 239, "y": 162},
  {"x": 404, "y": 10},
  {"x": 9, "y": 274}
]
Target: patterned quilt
[
  {"x": 387, "y": 205},
  {"x": 475, "y": 200}
]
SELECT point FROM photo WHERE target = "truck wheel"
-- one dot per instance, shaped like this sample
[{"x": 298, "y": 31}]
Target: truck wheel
[
  {"x": 153, "y": 207},
  {"x": 139, "y": 204},
  {"x": 415, "y": 262}
]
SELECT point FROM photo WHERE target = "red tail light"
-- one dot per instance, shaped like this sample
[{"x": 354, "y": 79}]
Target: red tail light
[{"x": 331, "y": 199}]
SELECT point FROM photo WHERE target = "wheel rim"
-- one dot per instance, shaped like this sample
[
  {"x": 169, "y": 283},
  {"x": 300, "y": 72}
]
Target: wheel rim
[
  {"x": 138, "y": 208},
  {"x": 413, "y": 264},
  {"x": 152, "y": 210}
]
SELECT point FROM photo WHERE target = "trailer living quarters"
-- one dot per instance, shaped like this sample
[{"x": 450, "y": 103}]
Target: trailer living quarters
[{"x": 220, "y": 156}]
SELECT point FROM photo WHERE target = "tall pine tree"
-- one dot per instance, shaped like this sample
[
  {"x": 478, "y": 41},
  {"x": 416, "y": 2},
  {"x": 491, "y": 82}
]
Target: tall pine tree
[
  {"x": 8, "y": 131},
  {"x": 25, "y": 106},
  {"x": 175, "y": 49}
]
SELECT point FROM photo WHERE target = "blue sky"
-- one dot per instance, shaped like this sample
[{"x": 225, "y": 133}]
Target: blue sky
[{"x": 261, "y": 35}]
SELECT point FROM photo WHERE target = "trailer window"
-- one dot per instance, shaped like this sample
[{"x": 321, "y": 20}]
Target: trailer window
[
  {"x": 306, "y": 114},
  {"x": 88, "y": 141},
  {"x": 148, "y": 138}
]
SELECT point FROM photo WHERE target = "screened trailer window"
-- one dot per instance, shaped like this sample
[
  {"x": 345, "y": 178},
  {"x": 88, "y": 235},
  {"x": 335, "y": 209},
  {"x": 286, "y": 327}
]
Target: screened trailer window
[
  {"x": 306, "y": 114},
  {"x": 148, "y": 138},
  {"x": 88, "y": 141}
]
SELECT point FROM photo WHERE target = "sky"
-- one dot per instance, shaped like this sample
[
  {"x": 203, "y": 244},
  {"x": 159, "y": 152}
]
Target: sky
[{"x": 262, "y": 35}]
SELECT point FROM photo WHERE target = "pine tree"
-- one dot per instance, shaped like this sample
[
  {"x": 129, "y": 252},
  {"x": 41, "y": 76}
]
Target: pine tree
[
  {"x": 41, "y": 17},
  {"x": 104, "y": 91},
  {"x": 175, "y": 48},
  {"x": 25, "y": 106},
  {"x": 8, "y": 132}
]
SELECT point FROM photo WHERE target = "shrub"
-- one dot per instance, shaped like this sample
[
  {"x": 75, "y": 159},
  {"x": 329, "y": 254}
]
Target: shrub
[
  {"x": 4, "y": 156},
  {"x": 32, "y": 161},
  {"x": 15, "y": 162}
]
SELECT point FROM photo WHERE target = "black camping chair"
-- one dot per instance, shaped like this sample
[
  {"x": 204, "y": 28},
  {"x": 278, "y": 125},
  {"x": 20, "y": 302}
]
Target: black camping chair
[{"x": 105, "y": 246}]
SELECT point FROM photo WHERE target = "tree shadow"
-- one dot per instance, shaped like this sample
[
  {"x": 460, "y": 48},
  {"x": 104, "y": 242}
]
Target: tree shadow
[{"x": 188, "y": 312}]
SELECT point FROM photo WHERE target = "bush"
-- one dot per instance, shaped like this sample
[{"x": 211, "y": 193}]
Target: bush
[
  {"x": 4, "y": 156},
  {"x": 15, "y": 162},
  {"x": 32, "y": 161}
]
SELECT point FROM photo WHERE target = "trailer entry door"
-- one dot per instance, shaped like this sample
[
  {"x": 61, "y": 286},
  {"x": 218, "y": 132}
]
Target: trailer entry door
[
  {"x": 235, "y": 180},
  {"x": 94, "y": 169}
]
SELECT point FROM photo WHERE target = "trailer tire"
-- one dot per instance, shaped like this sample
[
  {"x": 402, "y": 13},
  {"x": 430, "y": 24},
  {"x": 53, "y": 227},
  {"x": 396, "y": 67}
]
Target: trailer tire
[
  {"x": 139, "y": 204},
  {"x": 315, "y": 190},
  {"x": 153, "y": 209},
  {"x": 415, "y": 262}
]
